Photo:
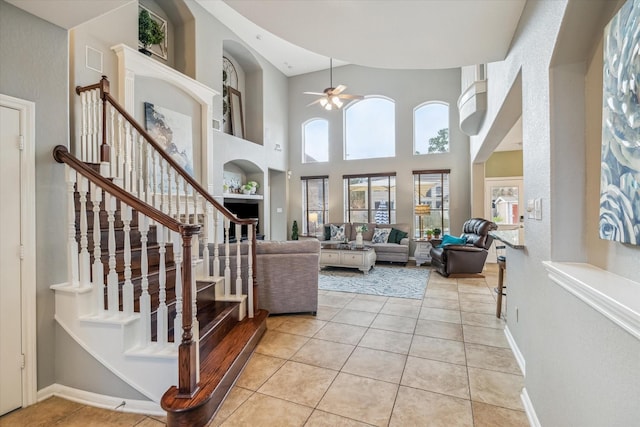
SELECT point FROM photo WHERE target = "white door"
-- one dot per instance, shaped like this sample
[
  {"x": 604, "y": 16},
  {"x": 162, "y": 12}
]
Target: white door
[
  {"x": 10, "y": 277},
  {"x": 503, "y": 205}
]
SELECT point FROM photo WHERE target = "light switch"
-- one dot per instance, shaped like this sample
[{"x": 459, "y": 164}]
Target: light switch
[
  {"x": 530, "y": 209},
  {"x": 278, "y": 210},
  {"x": 537, "y": 207}
]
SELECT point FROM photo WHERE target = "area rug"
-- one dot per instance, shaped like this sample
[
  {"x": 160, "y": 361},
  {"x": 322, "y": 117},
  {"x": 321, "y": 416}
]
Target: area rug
[{"x": 387, "y": 281}]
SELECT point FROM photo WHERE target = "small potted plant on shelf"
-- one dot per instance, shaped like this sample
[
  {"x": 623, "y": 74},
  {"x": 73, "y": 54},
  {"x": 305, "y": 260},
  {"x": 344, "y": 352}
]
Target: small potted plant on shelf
[
  {"x": 436, "y": 233},
  {"x": 149, "y": 32},
  {"x": 254, "y": 186},
  {"x": 429, "y": 233}
]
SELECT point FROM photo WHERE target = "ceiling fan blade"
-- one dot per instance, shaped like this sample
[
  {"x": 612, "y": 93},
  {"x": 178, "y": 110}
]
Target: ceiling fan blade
[
  {"x": 317, "y": 101},
  {"x": 347, "y": 96},
  {"x": 314, "y": 93},
  {"x": 338, "y": 89}
]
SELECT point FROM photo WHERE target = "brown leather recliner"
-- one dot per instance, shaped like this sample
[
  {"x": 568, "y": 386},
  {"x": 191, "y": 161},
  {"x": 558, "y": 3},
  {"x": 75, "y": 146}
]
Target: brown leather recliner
[{"x": 469, "y": 258}]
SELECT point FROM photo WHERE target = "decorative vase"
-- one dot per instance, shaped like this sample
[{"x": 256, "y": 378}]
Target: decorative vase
[
  {"x": 253, "y": 190},
  {"x": 359, "y": 239}
]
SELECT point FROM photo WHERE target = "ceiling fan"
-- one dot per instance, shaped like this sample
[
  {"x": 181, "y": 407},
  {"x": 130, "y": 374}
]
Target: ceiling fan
[{"x": 331, "y": 98}]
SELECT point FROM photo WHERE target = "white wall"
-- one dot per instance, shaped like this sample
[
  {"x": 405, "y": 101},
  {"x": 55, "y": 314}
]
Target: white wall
[
  {"x": 579, "y": 365},
  {"x": 408, "y": 89}
]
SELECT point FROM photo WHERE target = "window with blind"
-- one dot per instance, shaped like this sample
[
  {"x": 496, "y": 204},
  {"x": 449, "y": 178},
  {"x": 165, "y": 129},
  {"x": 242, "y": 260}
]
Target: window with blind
[
  {"x": 431, "y": 201},
  {"x": 370, "y": 198},
  {"x": 315, "y": 203}
]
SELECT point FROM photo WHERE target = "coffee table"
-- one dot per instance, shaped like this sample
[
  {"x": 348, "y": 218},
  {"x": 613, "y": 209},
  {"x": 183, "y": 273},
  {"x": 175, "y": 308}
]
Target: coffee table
[{"x": 347, "y": 255}]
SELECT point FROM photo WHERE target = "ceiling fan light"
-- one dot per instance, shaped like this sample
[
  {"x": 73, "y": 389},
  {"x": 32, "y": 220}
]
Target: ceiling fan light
[
  {"x": 328, "y": 106},
  {"x": 324, "y": 102},
  {"x": 336, "y": 101}
]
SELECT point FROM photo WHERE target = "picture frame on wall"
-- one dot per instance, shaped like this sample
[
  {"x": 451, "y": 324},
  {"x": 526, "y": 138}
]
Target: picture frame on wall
[{"x": 237, "y": 118}]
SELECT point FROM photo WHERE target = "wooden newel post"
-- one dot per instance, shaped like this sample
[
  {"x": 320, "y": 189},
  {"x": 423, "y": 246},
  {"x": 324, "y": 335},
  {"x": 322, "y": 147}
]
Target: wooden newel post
[
  {"x": 187, "y": 386},
  {"x": 104, "y": 92}
]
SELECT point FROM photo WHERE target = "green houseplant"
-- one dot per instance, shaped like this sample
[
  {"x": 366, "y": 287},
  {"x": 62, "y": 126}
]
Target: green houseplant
[
  {"x": 437, "y": 232},
  {"x": 294, "y": 231},
  {"x": 149, "y": 32}
]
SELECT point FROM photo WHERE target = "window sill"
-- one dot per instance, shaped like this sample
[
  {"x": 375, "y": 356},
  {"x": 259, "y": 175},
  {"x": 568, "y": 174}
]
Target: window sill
[{"x": 615, "y": 297}]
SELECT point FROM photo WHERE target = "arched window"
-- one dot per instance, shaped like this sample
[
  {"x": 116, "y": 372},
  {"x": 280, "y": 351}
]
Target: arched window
[
  {"x": 370, "y": 129},
  {"x": 431, "y": 128},
  {"x": 315, "y": 141}
]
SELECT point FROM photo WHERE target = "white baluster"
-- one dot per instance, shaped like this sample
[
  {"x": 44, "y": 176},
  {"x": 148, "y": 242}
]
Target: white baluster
[
  {"x": 121, "y": 157},
  {"x": 112, "y": 143},
  {"x": 83, "y": 132},
  {"x": 238, "y": 261},
  {"x": 204, "y": 233},
  {"x": 85, "y": 260},
  {"x": 94, "y": 126},
  {"x": 177, "y": 178},
  {"x": 90, "y": 101},
  {"x": 72, "y": 244},
  {"x": 227, "y": 269},
  {"x": 127, "y": 156},
  {"x": 142, "y": 194},
  {"x": 99, "y": 125},
  {"x": 134, "y": 159},
  {"x": 112, "y": 277},
  {"x": 145, "y": 299},
  {"x": 162, "y": 313},
  {"x": 177, "y": 255},
  {"x": 127, "y": 288},
  {"x": 250, "y": 269},
  {"x": 216, "y": 251},
  {"x": 169, "y": 185},
  {"x": 98, "y": 267}
]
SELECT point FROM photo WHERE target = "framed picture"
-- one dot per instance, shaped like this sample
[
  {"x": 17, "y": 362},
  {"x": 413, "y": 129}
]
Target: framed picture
[
  {"x": 620, "y": 161},
  {"x": 173, "y": 131},
  {"x": 237, "y": 119}
]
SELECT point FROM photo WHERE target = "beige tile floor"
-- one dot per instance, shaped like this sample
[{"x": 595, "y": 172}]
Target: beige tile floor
[{"x": 364, "y": 360}]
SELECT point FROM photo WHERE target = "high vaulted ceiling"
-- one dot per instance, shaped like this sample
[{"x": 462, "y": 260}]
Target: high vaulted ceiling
[
  {"x": 298, "y": 36},
  {"x": 400, "y": 34}
]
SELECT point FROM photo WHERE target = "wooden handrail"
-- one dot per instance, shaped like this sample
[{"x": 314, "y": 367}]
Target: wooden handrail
[
  {"x": 106, "y": 97},
  {"x": 61, "y": 155},
  {"x": 187, "y": 348}
]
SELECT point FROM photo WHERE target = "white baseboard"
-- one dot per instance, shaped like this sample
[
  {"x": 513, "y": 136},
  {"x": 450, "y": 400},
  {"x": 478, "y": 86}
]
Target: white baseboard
[
  {"x": 516, "y": 351},
  {"x": 100, "y": 400},
  {"x": 528, "y": 408}
]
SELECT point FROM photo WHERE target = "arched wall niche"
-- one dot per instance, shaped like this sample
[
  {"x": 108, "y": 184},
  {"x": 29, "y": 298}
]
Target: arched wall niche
[
  {"x": 250, "y": 85},
  {"x": 181, "y": 33}
]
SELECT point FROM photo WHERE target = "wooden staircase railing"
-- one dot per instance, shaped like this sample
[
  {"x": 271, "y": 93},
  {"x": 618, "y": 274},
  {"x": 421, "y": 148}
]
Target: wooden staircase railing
[
  {"x": 79, "y": 175},
  {"x": 144, "y": 177},
  {"x": 111, "y": 136}
]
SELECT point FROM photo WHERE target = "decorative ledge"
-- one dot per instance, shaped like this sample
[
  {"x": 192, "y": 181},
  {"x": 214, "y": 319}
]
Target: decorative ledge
[
  {"x": 615, "y": 297},
  {"x": 472, "y": 105},
  {"x": 243, "y": 196}
]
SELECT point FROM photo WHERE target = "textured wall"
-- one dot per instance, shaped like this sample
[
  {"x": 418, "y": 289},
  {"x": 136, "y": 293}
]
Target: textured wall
[
  {"x": 34, "y": 67},
  {"x": 578, "y": 363},
  {"x": 504, "y": 163}
]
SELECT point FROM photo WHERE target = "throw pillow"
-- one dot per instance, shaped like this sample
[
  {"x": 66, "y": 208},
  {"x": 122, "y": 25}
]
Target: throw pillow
[
  {"x": 381, "y": 235},
  {"x": 396, "y": 235},
  {"x": 451, "y": 240},
  {"x": 337, "y": 233},
  {"x": 327, "y": 232}
]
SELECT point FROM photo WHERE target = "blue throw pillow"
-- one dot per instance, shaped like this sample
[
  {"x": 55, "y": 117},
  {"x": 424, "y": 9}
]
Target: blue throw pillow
[{"x": 451, "y": 240}]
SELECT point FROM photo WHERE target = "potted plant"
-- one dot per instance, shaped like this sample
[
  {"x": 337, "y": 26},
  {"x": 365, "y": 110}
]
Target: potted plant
[
  {"x": 436, "y": 233},
  {"x": 254, "y": 186},
  {"x": 149, "y": 32},
  {"x": 294, "y": 231},
  {"x": 429, "y": 233},
  {"x": 246, "y": 189}
]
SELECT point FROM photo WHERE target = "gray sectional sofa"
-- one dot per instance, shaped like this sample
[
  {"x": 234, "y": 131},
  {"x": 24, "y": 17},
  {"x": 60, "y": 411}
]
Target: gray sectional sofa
[{"x": 390, "y": 252}]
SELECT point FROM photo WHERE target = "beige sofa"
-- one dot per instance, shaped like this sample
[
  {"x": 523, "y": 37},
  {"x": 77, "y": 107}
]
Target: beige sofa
[
  {"x": 389, "y": 252},
  {"x": 286, "y": 273}
]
